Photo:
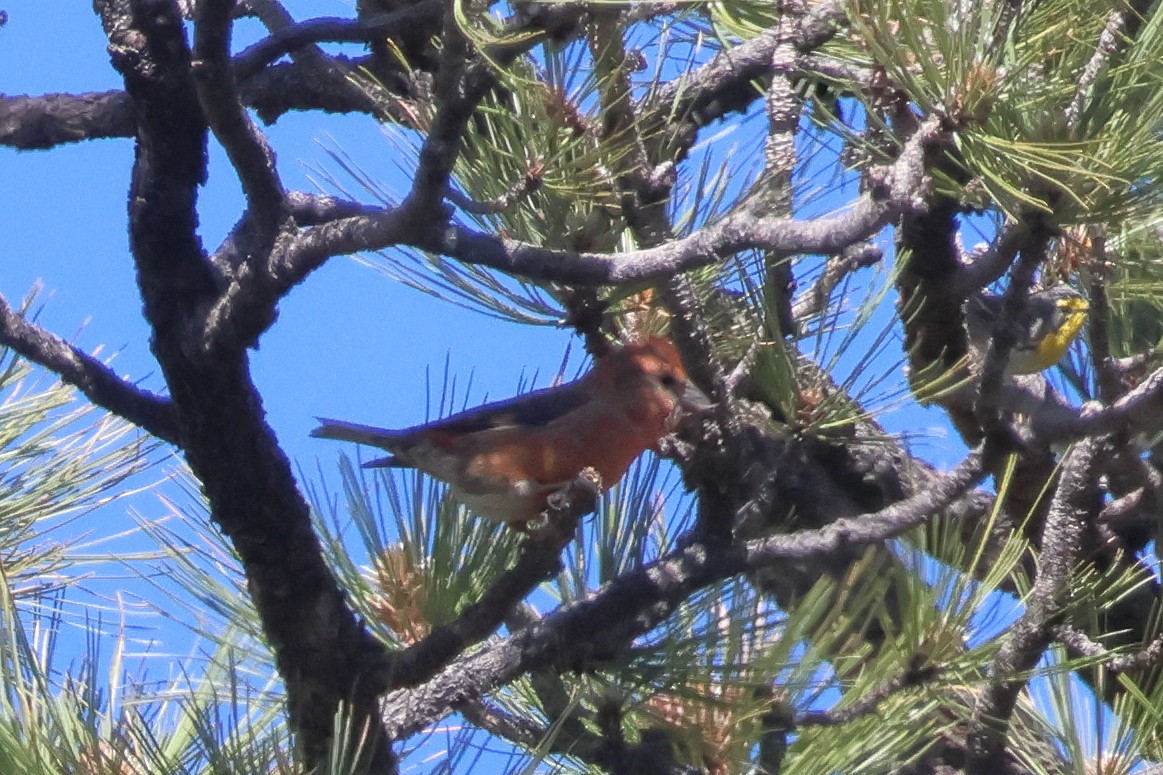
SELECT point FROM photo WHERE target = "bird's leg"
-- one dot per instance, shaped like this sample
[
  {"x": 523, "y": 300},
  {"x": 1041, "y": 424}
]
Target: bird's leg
[{"x": 580, "y": 493}]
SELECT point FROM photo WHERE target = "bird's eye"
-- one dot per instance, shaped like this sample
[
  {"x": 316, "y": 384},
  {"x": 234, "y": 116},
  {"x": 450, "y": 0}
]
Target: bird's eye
[{"x": 668, "y": 380}]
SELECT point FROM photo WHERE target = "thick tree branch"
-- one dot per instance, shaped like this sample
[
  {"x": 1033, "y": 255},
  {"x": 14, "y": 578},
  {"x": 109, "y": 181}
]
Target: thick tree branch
[
  {"x": 1005, "y": 334},
  {"x": 49, "y": 120},
  {"x": 1075, "y": 502},
  {"x": 421, "y": 18},
  {"x": 901, "y": 190},
  {"x": 100, "y": 384},
  {"x": 245, "y": 146}
]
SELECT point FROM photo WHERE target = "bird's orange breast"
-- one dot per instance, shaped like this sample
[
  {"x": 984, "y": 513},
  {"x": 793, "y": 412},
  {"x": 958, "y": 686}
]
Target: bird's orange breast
[{"x": 606, "y": 438}]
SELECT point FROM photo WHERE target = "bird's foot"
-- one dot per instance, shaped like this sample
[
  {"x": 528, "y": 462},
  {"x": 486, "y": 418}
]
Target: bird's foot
[{"x": 570, "y": 502}]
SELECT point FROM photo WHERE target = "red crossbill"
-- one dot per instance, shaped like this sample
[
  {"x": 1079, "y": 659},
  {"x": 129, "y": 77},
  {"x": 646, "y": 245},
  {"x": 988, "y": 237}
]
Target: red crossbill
[{"x": 503, "y": 459}]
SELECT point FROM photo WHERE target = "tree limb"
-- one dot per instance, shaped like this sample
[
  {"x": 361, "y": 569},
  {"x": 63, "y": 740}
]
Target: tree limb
[
  {"x": 419, "y": 19},
  {"x": 49, "y": 120},
  {"x": 1079, "y": 642},
  {"x": 900, "y": 190},
  {"x": 245, "y": 146},
  {"x": 99, "y": 383},
  {"x": 1075, "y": 502}
]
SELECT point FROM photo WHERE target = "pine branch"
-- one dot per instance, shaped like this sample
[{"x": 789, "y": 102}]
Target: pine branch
[
  {"x": 1074, "y": 504},
  {"x": 1080, "y": 643},
  {"x": 100, "y": 384},
  {"x": 540, "y": 559}
]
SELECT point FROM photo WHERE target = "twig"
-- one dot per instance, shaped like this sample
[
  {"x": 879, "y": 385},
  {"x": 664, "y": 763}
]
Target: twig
[
  {"x": 342, "y": 78},
  {"x": 1081, "y": 643},
  {"x": 1109, "y": 42},
  {"x": 813, "y": 301},
  {"x": 499, "y": 204},
  {"x": 918, "y": 673},
  {"x": 741, "y": 370},
  {"x": 493, "y": 720},
  {"x": 1143, "y": 491}
]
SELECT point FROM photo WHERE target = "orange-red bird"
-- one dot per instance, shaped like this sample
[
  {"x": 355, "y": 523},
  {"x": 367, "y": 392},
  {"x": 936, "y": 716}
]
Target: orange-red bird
[{"x": 503, "y": 459}]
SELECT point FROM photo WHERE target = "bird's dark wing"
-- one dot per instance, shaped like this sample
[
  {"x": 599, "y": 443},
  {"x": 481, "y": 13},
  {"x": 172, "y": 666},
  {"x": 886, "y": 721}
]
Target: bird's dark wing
[
  {"x": 534, "y": 409},
  {"x": 391, "y": 461}
]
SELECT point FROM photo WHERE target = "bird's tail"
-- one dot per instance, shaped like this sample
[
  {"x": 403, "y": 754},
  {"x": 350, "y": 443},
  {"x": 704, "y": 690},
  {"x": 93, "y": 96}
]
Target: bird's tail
[
  {"x": 386, "y": 462},
  {"x": 361, "y": 434}
]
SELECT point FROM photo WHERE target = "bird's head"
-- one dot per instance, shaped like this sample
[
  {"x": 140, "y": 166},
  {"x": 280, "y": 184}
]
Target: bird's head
[{"x": 652, "y": 366}]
